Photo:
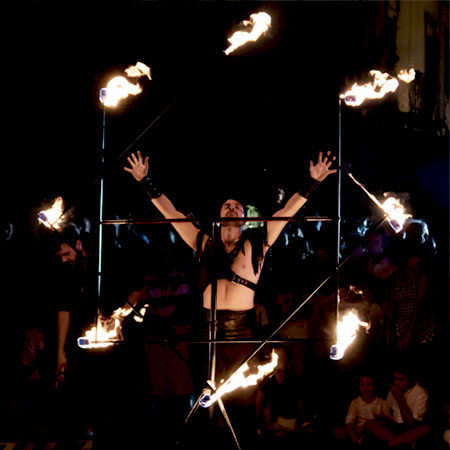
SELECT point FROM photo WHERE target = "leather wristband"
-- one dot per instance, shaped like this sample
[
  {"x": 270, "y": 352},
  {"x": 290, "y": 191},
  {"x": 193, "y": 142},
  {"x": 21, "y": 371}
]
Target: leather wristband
[
  {"x": 150, "y": 188},
  {"x": 309, "y": 187}
]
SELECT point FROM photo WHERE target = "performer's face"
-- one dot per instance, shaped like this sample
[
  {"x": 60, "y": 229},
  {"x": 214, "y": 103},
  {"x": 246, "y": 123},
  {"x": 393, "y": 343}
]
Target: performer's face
[{"x": 232, "y": 208}]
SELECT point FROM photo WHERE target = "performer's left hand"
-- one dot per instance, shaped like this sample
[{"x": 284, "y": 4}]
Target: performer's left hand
[{"x": 322, "y": 169}]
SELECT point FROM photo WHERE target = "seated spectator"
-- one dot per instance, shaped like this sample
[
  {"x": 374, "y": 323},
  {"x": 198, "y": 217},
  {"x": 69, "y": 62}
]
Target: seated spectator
[
  {"x": 367, "y": 406},
  {"x": 408, "y": 402},
  {"x": 279, "y": 404}
]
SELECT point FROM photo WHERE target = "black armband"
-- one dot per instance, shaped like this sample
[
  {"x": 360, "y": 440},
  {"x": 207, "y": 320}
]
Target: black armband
[
  {"x": 309, "y": 187},
  {"x": 150, "y": 188}
]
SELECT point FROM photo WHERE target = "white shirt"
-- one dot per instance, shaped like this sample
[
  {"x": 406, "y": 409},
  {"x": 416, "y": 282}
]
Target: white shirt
[
  {"x": 416, "y": 399},
  {"x": 360, "y": 411}
]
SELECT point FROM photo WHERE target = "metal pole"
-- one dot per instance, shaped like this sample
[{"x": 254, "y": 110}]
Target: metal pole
[
  {"x": 213, "y": 319},
  {"x": 338, "y": 211},
  {"x": 100, "y": 223},
  {"x": 299, "y": 307}
]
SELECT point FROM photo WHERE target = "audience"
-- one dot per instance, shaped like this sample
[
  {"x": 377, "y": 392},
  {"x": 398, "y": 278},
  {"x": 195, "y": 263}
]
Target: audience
[{"x": 390, "y": 282}]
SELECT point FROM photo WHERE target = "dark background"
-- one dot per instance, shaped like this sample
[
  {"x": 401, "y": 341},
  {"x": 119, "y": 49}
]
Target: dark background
[{"x": 249, "y": 121}]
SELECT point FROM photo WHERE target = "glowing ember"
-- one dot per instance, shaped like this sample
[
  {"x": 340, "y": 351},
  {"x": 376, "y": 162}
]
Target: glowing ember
[
  {"x": 347, "y": 328},
  {"x": 392, "y": 207},
  {"x": 240, "y": 379},
  {"x": 382, "y": 84},
  {"x": 259, "y": 23},
  {"x": 407, "y": 75},
  {"x": 108, "y": 332},
  {"x": 53, "y": 217},
  {"x": 119, "y": 87}
]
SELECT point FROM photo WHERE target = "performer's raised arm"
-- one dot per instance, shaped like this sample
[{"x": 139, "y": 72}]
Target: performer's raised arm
[
  {"x": 318, "y": 173},
  {"x": 139, "y": 169}
]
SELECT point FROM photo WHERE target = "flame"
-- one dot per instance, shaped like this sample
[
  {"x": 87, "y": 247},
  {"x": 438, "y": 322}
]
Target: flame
[
  {"x": 382, "y": 84},
  {"x": 347, "y": 328},
  {"x": 54, "y": 216},
  {"x": 240, "y": 379},
  {"x": 138, "y": 70},
  {"x": 119, "y": 87},
  {"x": 392, "y": 207},
  {"x": 107, "y": 333},
  {"x": 407, "y": 75},
  {"x": 260, "y": 23}
]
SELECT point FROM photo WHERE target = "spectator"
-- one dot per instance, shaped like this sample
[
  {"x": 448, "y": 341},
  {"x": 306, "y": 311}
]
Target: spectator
[
  {"x": 408, "y": 401},
  {"x": 167, "y": 322},
  {"x": 280, "y": 405},
  {"x": 367, "y": 406}
]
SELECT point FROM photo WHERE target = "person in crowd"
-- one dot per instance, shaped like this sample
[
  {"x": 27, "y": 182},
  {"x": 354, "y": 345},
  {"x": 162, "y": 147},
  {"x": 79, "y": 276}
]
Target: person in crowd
[
  {"x": 280, "y": 404},
  {"x": 411, "y": 324},
  {"x": 409, "y": 404},
  {"x": 368, "y": 405},
  {"x": 81, "y": 376},
  {"x": 167, "y": 324}
]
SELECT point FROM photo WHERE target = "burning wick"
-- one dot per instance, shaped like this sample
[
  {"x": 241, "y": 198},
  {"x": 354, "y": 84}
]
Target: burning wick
[
  {"x": 239, "y": 379},
  {"x": 260, "y": 23},
  {"x": 392, "y": 207},
  {"x": 119, "y": 87},
  {"x": 382, "y": 84},
  {"x": 53, "y": 217},
  {"x": 109, "y": 330},
  {"x": 347, "y": 327}
]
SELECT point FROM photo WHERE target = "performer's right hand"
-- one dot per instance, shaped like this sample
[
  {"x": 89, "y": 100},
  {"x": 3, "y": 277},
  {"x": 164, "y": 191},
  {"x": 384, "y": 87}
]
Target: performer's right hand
[{"x": 138, "y": 166}]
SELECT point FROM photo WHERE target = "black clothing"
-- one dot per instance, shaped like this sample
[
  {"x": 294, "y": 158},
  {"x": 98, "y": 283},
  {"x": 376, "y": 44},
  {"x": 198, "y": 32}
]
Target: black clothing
[{"x": 215, "y": 262}]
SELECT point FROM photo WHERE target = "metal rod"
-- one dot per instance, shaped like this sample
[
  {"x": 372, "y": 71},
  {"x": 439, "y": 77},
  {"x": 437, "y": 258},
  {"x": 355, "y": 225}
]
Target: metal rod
[
  {"x": 146, "y": 129},
  {"x": 100, "y": 223},
  {"x": 221, "y": 219},
  {"x": 338, "y": 212},
  {"x": 212, "y": 332},
  {"x": 217, "y": 341},
  {"x": 228, "y": 422},
  {"x": 297, "y": 309}
]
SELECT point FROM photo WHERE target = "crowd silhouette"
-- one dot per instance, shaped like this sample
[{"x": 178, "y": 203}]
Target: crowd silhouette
[{"x": 141, "y": 389}]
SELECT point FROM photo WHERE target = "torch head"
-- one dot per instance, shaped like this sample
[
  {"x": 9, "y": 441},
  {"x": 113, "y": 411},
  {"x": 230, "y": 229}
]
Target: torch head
[
  {"x": 395, "y": 225},
  {"x": 205, "y": 399},
  {"x": 335, "y": 354},
  {"x": 83, "y": 342}
]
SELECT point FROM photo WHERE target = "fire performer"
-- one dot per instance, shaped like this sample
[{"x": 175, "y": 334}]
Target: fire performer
[
  {"x": 239, "y": 256},
  {"x": 234, "y": 260}
]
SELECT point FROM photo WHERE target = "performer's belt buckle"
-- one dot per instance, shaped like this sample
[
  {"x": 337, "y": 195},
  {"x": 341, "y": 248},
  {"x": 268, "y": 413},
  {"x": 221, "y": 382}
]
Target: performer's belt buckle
[{"x": 235, "y": 278}]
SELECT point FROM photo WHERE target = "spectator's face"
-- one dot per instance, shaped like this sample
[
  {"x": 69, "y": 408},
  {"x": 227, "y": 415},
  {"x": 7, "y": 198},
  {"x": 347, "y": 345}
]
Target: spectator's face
[
  {"x": 401, "y": 381},
  {"x": 67, "y": 254},
  {"x": 366, "y": 387}
]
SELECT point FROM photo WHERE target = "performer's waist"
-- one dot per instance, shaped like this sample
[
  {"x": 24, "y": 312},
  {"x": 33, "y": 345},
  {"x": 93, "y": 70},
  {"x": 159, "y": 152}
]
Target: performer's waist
[{"x": 231, "y": 324}]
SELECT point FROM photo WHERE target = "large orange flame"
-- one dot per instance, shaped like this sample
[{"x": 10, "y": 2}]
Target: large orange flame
[
  {"x": 241, "y": 378},
  {"x": 347, "y": 328},
  {"x": 119, "y": 87},
  {"x": 259, "y": 23}
]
